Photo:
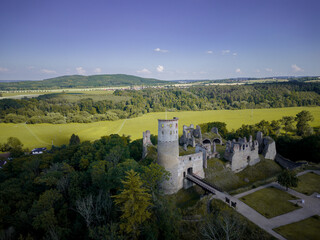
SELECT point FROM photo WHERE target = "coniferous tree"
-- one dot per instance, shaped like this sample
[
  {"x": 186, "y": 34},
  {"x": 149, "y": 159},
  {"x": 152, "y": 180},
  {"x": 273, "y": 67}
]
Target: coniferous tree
[{"x": 134, "y": 202}]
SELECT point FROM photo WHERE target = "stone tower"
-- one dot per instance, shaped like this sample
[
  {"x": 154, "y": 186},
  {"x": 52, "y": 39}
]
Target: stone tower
[{"x": 168, "y": 153}]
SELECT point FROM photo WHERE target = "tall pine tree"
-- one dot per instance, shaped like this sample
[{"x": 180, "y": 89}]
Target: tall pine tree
[{"x": 134, "y": 202}]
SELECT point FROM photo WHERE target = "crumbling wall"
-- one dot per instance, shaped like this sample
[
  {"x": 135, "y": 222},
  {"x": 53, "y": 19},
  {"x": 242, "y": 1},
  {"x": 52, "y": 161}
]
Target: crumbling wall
[
  {"x": 146, "y": 142},
  {"x": 242, "y": 153},
  {"x": 267, "y": 146}
]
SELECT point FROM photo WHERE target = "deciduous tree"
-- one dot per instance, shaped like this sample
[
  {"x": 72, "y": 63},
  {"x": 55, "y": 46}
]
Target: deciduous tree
[{"x": 288, "y": 178}]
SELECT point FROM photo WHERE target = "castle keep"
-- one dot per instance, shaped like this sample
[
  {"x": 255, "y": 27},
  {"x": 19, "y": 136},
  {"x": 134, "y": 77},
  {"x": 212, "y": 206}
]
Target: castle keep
[{"x": 168, "y": 157}]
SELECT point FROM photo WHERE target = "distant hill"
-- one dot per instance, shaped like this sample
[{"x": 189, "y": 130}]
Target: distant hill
[{"x": 78, "y": 81}]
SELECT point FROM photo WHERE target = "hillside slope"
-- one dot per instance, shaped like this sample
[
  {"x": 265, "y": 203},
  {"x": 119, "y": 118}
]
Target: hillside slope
[{"x": 78, "y": 81}]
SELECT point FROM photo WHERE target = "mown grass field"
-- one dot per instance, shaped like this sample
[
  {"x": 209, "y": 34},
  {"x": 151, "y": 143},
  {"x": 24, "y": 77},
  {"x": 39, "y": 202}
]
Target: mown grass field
[
  {"x": 270, "y": 202},
  {"x": 305, "y": 229},
  {"x": 38, "y": 135},
  {"x": 308, "y": 183}
]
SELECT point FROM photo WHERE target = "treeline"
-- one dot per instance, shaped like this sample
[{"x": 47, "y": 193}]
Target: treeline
[{"x": 53, "y": 109}]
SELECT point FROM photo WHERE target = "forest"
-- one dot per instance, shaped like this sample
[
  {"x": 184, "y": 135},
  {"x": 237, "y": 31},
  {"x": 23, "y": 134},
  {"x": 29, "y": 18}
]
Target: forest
[{"x": 58, "y": 108}]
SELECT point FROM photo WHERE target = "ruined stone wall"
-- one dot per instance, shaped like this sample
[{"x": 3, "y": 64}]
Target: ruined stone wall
[
  {"x": 146, "y": 141},
  {"x": 193, "y": 162},
  {"x": 242, "y": 153}
]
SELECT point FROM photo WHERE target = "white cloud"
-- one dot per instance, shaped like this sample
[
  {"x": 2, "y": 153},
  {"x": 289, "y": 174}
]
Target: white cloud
[
  {"x": 144, "y": 71},
  {"x": 4, "y": 69},
  {"x": 224, "y": 52},
  {"x": 160, "y": 50},
  {"x": 97, "y": 70},
  {"x": 295, "y": 68},
  {"x": 234, "y": 54},
  {"x": 238, "y": 70},
  {"x": 268, "y": 69},
  {"x": 81, "y": 71},
  {"x": 209, "y": 52},
  {"x": 47, "y": 71},
  {"x": 160, "y": 68}
]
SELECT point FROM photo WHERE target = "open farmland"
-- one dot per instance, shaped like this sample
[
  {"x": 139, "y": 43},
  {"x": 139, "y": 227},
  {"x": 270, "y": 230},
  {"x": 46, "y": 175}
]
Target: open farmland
[{"x": 38, "y": 135}]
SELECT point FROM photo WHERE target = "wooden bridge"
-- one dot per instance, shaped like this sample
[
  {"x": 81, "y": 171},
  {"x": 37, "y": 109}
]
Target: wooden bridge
[{"x": 202, "y": 183}]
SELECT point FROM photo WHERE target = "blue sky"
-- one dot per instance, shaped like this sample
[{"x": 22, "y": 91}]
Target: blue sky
[{"x": 167, "y": 39}]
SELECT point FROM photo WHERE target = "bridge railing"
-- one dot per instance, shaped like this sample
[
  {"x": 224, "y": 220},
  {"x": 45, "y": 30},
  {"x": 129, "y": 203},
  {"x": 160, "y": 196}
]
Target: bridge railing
[
  {"x": 206, "y": 182},
  {"x": 200, "y": 183}
]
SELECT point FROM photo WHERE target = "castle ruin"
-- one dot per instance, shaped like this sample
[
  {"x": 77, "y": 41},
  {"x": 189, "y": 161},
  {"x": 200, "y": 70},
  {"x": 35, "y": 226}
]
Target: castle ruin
[{"x": 243, "y": 153}]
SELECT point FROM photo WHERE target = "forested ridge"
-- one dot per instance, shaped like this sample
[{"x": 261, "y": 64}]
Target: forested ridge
[
  {"x": 58, "y": 108},
  {"x": 79, "y": 81}
]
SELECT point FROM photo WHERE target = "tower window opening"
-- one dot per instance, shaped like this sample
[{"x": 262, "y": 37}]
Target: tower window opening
[
  {"x": 170, "y": 125},
  {"x": 170, "y": 132},
  {"x": 162, "y": 125}
]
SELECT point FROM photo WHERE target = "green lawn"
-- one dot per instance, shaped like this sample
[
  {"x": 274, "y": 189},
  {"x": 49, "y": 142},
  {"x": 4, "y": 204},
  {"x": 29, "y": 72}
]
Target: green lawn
[
  {"x": 270, "y": 202},
  {"x": 308, "y": 183},
  {"x": 38, "y": 135},
  {"x": 306, "y": 229},
  {"x": 229, "y": 181}
]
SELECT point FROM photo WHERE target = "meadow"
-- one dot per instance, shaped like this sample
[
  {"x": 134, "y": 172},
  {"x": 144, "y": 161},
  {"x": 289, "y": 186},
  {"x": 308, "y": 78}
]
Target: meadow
[{"x": 43, "y": 135}]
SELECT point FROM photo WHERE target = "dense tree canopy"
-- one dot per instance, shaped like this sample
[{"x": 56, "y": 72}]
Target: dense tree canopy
[{"x": 63, "y": 108}]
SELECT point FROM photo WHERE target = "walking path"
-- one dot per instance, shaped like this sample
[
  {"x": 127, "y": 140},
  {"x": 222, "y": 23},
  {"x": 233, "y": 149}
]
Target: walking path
[
  {"x": 124, "y": 121},
  {"x": 310, "y": 207}
]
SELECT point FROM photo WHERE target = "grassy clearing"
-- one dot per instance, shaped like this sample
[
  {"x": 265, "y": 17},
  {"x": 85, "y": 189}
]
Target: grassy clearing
[
  {"x": 251, "y": 176},
  {"x": 84, "y": 91},
  {"x": 270, "y": 202},
  {"x": 42, "y": 134},
  {"x": 308, "y": 183},
  {"x": 305, "y": 229},
  {"x": 77, "y": 96}
]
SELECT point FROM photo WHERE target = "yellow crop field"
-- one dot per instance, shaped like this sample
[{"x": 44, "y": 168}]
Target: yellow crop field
[{"x": 43, "y": 135}]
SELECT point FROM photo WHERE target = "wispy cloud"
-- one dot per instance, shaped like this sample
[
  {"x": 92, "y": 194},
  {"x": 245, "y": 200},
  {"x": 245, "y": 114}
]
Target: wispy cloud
[
  {"x": 295, "y": 68},
  {"x": 81, "y": 71},
  {"x": 234, "y": 54},
  {"x": 2, "y": 69},
  {"x": 160, "y": 68},
  {"x": 144, "y": 71},
  {"x": 160, "y": 50},
  {"x": 97, "y": 70},
  {"x": 47, "y": 71},
  {"x": 224, "y": 52},
  {"x": 268, "y": 69},
  {"x": 238, "y": 70},
  {"x": 210, "y": 52}
]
